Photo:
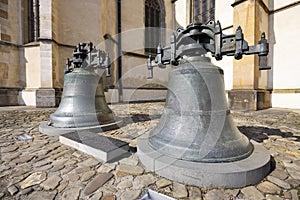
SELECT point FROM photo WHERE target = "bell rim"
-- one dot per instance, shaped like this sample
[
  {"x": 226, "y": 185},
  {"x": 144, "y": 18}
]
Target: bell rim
[{"x": 185, "y": 157}]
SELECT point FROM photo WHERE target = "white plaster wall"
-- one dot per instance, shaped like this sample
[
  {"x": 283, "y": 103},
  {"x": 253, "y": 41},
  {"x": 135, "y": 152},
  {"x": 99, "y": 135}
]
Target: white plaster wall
[
  {"x": 285, "y": 59},
  {"x": 286, "y": 100}
]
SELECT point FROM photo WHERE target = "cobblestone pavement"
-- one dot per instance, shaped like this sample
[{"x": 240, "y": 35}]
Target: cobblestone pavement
[{"x": 42, "y": 168}]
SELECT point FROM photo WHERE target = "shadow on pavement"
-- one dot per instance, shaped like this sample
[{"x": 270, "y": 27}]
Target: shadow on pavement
[{"x": 262, "y": 133}]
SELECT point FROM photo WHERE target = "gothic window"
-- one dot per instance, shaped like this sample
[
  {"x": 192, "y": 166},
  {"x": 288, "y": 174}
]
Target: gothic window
[
  {"x": 203, "y": 10},
  {"x": 152, "y": 25},
  {"x": 33, "y": 20}
]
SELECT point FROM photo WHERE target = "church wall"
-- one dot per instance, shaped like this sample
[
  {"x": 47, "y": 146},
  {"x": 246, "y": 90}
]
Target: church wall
[{"x": 10, "y": 39}]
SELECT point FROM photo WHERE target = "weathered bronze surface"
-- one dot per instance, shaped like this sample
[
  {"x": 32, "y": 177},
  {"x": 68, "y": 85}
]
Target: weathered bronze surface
[
  {"x": 83, "y": 102},
  {"x": 196, "y": 124}
]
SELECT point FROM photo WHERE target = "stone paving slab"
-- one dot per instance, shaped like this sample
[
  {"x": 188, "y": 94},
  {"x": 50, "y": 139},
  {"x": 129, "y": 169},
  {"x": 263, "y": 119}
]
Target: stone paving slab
[
  {"x": 43, "y": 168},
  {"x": 99, "y": 146}
]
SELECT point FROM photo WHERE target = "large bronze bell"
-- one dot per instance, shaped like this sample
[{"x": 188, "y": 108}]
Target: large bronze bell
[
  {"x": 83, "y": 104},
  {"x": 196, "y": 141},
  {"x": 196, "y": 123}
]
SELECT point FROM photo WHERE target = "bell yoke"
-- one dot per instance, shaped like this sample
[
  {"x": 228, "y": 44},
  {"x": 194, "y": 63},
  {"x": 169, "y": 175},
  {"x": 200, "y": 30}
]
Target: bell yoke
[{"x": 196, "y": 128}]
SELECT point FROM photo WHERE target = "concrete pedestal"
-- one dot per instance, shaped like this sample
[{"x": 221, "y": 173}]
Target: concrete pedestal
[{"x": 236, "y": 174}]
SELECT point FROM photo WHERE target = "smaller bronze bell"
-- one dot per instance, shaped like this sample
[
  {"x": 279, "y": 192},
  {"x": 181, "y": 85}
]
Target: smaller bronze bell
[{"x": 83, "y": 105}]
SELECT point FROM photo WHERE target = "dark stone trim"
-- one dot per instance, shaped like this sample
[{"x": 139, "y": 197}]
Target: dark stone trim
[
  {"x": 265, "y": 7},
  {"x": 237, "y": 2},
  {"x": 11, "y": 88},
  {"x": 32, "y": 44},
  {"x": 9, "y": 44},
  {"x": 286, "y": 91},
  {"x": 285, "y": 7},
  {"x": 227, "y": 27},
  {"x": 59, "y": 44},
  {"x": 132, "y": 54}
]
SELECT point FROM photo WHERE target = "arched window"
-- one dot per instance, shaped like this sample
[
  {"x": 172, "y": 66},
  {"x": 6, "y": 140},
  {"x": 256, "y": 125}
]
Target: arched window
[
  {"x": 154, "y": 21},
  {"x": 32, "y": 20},
  {"x": 203, "y": 10}
]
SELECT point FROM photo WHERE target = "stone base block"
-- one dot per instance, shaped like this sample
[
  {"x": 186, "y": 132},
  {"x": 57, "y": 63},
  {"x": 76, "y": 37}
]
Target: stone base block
[
  {"x": 45, "y": 98},
  {"x": 101, "y": 147},
  {"x": 249, "y": 99},
  {"x": 236, "y": 174},
  {"x": 54, "y": 131}
]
